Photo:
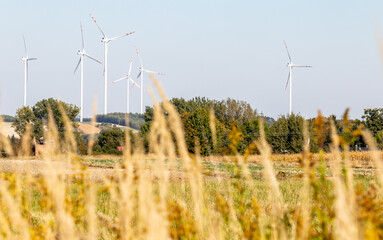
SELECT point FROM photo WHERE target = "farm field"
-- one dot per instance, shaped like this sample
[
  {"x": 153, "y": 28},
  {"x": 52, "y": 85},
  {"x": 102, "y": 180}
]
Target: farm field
[
  {"x": 237, "y": 204},
  {"x": 211, "y": 168}
]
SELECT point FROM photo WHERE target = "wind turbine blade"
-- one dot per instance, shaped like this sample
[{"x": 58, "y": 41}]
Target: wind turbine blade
[
  {"x": 126, "y": 77},
  {"x": 139, "y": 74},
  {"x": 130, "y": 67},
  {"x": 97, "y": 25},
  {"x": 78, "y": 64},
  {"x": 301, "y": 66},
  {"x": 287, "y": 50},
  {"x": 158, "y": 73},
  {"x": 82, "y": 37},
  {"x": 25, "y": 46},
  {"x": 121, "y": 36},
  {"x": 288, "y": 79},
  {"x": 31, "y": 59},
  {"x": 134, "y": 83},
  {"x": 139, "y": 58},
  {"x": 92, "y": 58}
]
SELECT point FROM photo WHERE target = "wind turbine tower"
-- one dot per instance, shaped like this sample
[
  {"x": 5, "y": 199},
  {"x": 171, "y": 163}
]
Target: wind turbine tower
[
  {"x": 128, "y": 80},
  {"x": 26, "y": 59},
  {"x": 82, "y": 53},
  {"x": 141, "y": 74},
  {"x": 106, "y": 41},
  {"x": 291, "y": 65}
]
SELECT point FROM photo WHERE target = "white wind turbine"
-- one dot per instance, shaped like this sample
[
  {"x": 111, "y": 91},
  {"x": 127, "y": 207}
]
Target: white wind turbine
[
  {"x": 26, "y": 59},
  {"x": 142, "y": 70},
  {"x": 129, "y": 79},
  {"x": 106, "y": 41},
  {"x": 291, "y": 65},
  {"x": 82, "y": 53}
]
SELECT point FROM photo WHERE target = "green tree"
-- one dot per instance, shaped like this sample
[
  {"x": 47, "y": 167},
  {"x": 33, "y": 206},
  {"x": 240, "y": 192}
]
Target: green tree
[
  {"x": 373, "y": 120},
  {"x": 295, "y": 136},
  {"x": 25, "y": 116},
  {"x": 40, "y": 110},
  {"x": 37, "y": 116},
  {"x": 286, "y": 134},
  {"x": 250, "y": 133},
  {"x": 278, "y": 135},
  {"x": 195, "y": 117},
  {"x": 109, "y": 140},
  {"x": 197, "y": 128}
]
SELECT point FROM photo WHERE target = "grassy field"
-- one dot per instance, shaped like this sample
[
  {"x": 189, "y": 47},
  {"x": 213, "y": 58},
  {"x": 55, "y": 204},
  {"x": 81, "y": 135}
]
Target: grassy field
[
  {"x": 218, "y": 198},
  {"x": 232, "y": 206}
]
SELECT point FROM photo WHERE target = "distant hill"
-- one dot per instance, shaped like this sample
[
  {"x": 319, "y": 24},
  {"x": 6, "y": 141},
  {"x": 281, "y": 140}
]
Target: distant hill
[
  {"x": 8, "y": 118},
  {"x": 88, "y": 129},
  {"x": 135, "y": 120}
]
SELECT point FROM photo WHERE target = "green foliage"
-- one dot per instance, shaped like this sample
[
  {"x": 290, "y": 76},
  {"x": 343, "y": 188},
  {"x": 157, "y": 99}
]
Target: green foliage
[
  {"x": 286, "y": 134},
  {"x": 278, "y": 135},
  {"x": 196, "y": 121},
  {"x": 40, "y": 110},
  {"x": 197, "y": 129},
  {"x": 37, "y": 117},
  {"x": 109, "y": 140},
  {"x": 373, "y": 120},
  {"x": 25, "y": 116}
]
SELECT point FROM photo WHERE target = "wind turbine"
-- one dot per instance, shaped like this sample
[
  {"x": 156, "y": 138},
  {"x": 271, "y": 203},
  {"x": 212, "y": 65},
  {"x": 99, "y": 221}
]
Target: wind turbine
[
  {"x": 26, "y": 59},
  {"x": 106, "y": 41},
  {"x": 291, "y": 65},
  {"x": 129, "y": 79},
  {"x": 82, "y": 53},
  {"x": 142, "y": 70}
]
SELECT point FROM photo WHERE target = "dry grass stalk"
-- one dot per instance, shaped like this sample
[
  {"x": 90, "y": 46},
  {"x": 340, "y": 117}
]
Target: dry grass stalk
[
  {"x": 4, "y": 141},
  {"x": 275, "y": 196},
  {"x": 305, "y": 192},
  {"x": 26, "y": 142},
  {"x": 375, "y": 156},
  {"x": 65, "y": 227},
  {"x": 345, "y": 222},
  {"x": 193, "y": 170},
  {"x": 69, "y": 138},
  {"x": 93, "y": 124},
  {"x": 212, "y": 127}
]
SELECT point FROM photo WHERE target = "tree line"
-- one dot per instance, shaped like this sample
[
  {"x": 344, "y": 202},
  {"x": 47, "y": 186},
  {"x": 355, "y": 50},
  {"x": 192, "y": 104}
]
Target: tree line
[{"x": 235, "y": 123}]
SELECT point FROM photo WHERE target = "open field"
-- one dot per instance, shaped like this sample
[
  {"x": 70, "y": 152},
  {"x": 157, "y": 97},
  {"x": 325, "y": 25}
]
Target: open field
[
  {"x": 221, "y": 184},
  {"x": 102, "y": 167}
]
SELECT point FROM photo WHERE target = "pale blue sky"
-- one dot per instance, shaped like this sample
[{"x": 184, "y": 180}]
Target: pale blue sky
[{"x": 216, "y": 49}]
